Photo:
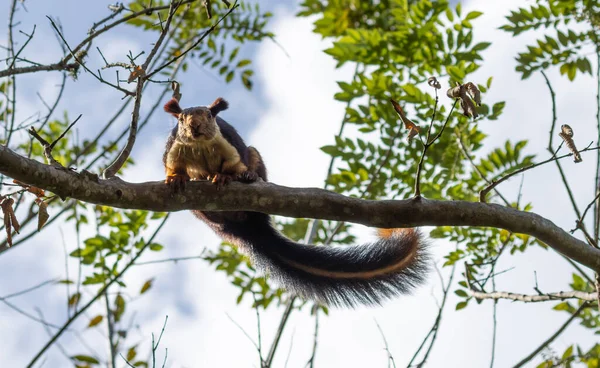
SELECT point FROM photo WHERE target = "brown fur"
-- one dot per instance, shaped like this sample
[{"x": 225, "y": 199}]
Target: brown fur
[
  {"x": 173, "y": 108},
  {"x": 200, "y": 151}
]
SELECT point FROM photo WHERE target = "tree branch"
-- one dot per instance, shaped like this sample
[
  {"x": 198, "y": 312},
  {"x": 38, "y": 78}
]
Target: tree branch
[
  {"x": 561, "y": 295},
  {"x": 294, "y": 202}
]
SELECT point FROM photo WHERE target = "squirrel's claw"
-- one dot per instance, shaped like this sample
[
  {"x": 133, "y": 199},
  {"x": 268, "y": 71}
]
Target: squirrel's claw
[
  {"x": 248, "y": 177},
  {"x": 177, "y": 182},
  {"x": 220, "y": 180}
]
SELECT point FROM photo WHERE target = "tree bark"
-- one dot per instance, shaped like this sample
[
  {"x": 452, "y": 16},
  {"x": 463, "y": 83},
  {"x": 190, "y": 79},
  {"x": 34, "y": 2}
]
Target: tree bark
[{"x": 294, "y": 202}]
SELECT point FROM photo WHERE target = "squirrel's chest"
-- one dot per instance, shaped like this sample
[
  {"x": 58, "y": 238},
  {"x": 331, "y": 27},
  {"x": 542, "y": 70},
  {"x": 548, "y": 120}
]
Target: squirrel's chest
[{"x": 199, "y": 160}]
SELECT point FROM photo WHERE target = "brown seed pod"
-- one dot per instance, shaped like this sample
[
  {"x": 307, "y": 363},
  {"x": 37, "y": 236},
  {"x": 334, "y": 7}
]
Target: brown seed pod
[
  {"x": 567, "y": 135},
  {"x": 467, "y": 93},
  {"x": 433, "y": 82}
]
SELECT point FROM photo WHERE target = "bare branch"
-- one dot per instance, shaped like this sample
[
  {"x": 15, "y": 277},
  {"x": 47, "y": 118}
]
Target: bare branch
[
  {"x": 391, "y": 361},
  {"x": 29, "y": 289},
  {"x": 113, "y": 168},
  {"x": 284, "y": 318},
  {"x": 428, "y": 144},
  {"x": 80, "y": 62},
  {"x": 311, "y": 361},
  {"x": 100, "y": 293},
  {"x": 483, "y": 193},
  {"x": 49, "y": 146},
  {"x": 464, "y": 151},
  {"x": 551, "y": 338},
  {"x": 39, "y": 68},
  {"x": 561, "y": 295},
  {"x": 206, "y": 33},
  {"x": 436, "y": 324}
]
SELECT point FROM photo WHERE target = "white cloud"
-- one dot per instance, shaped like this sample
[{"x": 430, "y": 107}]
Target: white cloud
[{"x": 301, "y": 115}]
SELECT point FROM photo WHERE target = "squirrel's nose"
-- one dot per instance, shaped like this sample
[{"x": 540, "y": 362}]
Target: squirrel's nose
[{"x": 196, "y": 132}]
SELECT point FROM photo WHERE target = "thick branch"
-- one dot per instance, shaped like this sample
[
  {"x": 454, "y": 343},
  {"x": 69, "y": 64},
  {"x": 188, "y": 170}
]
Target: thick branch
[{"x": 294, "y": 202}]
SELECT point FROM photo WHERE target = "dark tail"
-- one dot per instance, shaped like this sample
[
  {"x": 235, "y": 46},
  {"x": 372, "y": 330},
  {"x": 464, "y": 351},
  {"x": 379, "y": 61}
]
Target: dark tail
[{"x": 346, "y": 275}]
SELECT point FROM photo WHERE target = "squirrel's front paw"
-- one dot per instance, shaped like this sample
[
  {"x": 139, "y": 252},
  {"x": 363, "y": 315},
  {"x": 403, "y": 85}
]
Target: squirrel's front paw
[
  {"x": 177, "y": 182},
  {"x": 247, "y": 177},
  {"x": 220, "y": 180}
]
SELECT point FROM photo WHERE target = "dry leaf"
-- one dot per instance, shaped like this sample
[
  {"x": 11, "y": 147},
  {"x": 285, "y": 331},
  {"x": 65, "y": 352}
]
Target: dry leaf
[
  {"x": 474, "y": 92},
  {"x": 10, "y": 220},
  {"x": 137, "y": 72},
  {"x": 147, "y": 285},
  {"x": 43, "y": 215},
  {"x": 412, "y": 128},
  {"x": 433, "y": 82},
  {"x": 96, "y": 320},
  {"x": 567, "y": 135},
  {"x": 74, "y": 300},
  {"x": 31, "y": 189},
  {"x": 463, "y": 92},
  {"x": 412, "y": 133}
]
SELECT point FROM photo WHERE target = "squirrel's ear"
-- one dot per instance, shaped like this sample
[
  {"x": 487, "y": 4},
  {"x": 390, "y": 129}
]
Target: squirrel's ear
[
  {"x": 173, "y": 108},
  {"x": 219, "y": 105}
]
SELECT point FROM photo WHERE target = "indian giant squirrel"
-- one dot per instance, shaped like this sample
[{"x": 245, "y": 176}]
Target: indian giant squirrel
[{"x": 205, "y": 147}]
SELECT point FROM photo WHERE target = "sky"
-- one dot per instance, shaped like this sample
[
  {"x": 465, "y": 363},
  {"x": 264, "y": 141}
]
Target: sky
[{"x": 289, "y": 114}]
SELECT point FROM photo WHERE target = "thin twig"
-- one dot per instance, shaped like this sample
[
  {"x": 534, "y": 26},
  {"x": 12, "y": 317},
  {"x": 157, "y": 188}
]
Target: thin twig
[
  {"x": 258, "y": 328},
  {"x": 426, "y": 146},
  {"x": 93, "y": 300},
  {"x": 174, "y": 260},
  {"x": 49, "y": 146},
  {"x": 183, "y": 53},
  {"x": 494, "y": 322},
  {"x": 597, "y": 182},
  {"x": 29, "y": 289},
  {"x": 311, "y": 361},
  {"x": 287, "y": 359},
  {"x": 244, "y": 332},
  {"x": 111, "y": 331},
  {"x": 80, "y": 62},
  {"x": 63, "y": 64},
  {"x": 284, "y": 318},
  {"x": 114, "y": 167},
  {"x": 481, "y": 174},
  {"x": 391, "y": 361},
  {"x": 118, "y": 163},
  {"x": 551, "y": 338},
  {"x": 436, "y": 324},
  {"x": 493, "y": 184},
  {"x": 155, "y": 346}
]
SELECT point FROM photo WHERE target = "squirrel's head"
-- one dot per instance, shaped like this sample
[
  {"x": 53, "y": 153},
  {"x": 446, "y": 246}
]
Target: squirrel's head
[{"x": 196, "y": 123}]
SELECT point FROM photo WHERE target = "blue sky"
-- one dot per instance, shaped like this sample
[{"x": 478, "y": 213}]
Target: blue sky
[{"x": 288, "y": 115}]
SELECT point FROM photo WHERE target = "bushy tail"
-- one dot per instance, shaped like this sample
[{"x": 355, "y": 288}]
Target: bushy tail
[{"x": 342, "y": 276}]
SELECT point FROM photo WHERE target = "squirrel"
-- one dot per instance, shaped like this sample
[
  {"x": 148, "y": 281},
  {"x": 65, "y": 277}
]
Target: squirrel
[{"x": 205, "y": 147}]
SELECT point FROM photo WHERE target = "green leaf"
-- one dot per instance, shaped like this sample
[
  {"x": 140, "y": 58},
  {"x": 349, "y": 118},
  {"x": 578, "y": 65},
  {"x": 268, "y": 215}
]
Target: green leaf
[
  {"x": 96, "y": 320},
  {"x": 155, "y": 247},
  {"x": 85, "y": 359},
  {"x": 568, "y": 353},
  {"x": 473, "y": 15},
  {"x": 147, "y": 285},
  {"x": 243, "y": 63},
  {"x": 461, "y": 305},
  {"x": 461, "y": 293}
]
